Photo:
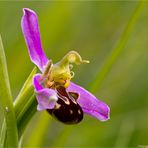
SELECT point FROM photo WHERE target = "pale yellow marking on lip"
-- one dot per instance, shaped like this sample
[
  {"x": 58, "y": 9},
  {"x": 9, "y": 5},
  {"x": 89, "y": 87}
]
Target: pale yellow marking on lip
[
  {"x": 71, "y": 112},
  {"x": 66, "y": 100},
  {"x": 57, "y": 106},
  {"x": 79, "y": 112}
]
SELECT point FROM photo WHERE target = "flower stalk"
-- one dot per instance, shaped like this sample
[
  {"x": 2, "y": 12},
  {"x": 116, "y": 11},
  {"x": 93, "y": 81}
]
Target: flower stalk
[
  {"x": 9, "y": 129},
  {"x": 25, "y": 104}
]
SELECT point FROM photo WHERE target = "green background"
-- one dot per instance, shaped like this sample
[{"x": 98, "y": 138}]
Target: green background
[{"x": 93, "y": 29}]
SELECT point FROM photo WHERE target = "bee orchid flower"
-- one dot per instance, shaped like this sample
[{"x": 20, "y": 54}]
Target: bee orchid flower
[{"x": 55, "y": 92}]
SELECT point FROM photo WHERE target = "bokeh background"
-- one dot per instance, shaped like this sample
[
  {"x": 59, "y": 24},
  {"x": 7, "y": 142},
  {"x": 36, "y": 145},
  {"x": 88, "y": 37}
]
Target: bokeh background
[{"x": 94, "y": 29}]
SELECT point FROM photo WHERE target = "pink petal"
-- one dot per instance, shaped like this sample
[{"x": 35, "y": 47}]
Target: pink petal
[
  {"x": 31, "y": 33},
  {"x": 46, "y": 97},
  {"x": 37, "y": 82},
  {"x": 90, "y": 104}
]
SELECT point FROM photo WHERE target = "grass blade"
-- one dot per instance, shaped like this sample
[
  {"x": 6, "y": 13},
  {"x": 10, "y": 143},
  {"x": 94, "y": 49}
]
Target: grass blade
[
  {"x": 6, "y": 102},
  {"x": 111, "y": 59}
]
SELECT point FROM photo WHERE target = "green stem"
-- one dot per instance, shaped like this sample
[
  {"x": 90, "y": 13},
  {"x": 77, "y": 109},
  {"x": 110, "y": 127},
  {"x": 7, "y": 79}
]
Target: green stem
[
  {"x": 6, "y": 102},
  {"x": 25, "y": 93},
  {"x": 25, "y": 104},
  {"x": 3, "y": 134},
  {"x": 30, "y": 110},
  {"x": 111, "y": 59}
]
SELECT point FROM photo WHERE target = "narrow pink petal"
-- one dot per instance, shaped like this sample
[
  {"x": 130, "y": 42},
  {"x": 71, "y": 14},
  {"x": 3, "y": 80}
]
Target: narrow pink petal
[
  {"x": 37, "y": 82},
  {"x": 31, "y": 33},
  {"x": 90, "y": 104}
]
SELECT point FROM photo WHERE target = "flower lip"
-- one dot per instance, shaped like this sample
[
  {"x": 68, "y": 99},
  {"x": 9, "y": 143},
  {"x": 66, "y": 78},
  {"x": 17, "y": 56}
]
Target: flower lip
[{"x": 66, "y": 110}]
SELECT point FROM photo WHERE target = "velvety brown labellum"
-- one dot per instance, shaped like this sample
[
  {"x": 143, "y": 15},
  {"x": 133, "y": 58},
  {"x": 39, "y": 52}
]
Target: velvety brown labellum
[{"x": 67, "y": 110}]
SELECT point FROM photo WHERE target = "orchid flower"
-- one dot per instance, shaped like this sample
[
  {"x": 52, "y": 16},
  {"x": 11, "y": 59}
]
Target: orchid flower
[{"x": 55, "y": 92}]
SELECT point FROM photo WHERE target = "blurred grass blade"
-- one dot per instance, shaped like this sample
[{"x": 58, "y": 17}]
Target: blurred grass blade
[
  {"x": 6, "y": 102},
  {"x": 111, "y": 59},
  {"x": 40, "y": 130}
]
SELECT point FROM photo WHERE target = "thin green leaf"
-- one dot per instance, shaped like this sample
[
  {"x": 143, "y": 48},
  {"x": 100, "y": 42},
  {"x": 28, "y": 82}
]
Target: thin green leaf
[
  {"x": 111, "y": 59},
  {"x": 3, "y": 134},
  {"x": 6, "y": 101},
  {"x": 25, "y": 104},
  {"x": 45, "y": 122},
  {"x": 30, "y": 110},
  {"x": 26, "y": 92}
]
